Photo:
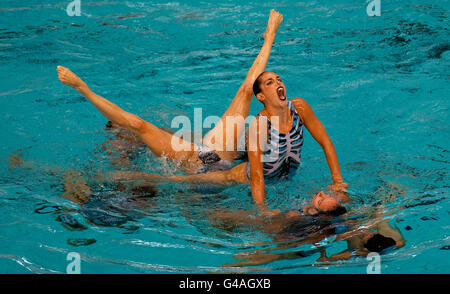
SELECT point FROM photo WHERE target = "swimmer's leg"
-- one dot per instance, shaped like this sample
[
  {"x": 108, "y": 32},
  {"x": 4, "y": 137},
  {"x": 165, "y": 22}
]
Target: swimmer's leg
[
  {"x": 160, "y": 142},
  {"x": 235, "y": 175},
  {"x": 121, "y": 145},
  {"x": 225, "y": 135},
  {"x": 132, "y": 176}
]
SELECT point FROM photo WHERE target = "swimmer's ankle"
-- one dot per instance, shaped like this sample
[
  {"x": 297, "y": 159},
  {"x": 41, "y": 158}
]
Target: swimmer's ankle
[{"x": 82, "y": 87}]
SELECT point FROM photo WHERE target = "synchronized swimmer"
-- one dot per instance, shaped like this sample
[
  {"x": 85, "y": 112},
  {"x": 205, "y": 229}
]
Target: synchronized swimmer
[
  {"x": 279, "y": 127},
  {"x": 212, "y": 162}
]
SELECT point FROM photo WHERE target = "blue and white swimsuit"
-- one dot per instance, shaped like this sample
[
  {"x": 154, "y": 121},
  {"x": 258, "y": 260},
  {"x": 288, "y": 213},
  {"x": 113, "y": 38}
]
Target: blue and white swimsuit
[{"x": 282, "y": 151}]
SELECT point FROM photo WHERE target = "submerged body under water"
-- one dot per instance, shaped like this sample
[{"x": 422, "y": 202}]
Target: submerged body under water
[{"x": 378, "y": 84}]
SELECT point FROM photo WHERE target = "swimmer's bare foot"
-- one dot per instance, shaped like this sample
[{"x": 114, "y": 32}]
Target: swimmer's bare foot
[
  {"x": 275, "y": 19},
  {"x": 67, "y": 77}
]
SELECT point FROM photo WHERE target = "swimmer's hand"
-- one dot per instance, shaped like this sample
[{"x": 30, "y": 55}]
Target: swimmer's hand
[
  {"x": 338, "y": 187},
  {"x": 68, "y": 78},
  {"x": 323, "y": 258},
  {"x": 275, "y": 19}
]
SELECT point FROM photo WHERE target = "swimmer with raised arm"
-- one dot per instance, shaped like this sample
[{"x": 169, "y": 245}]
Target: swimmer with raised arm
[
  {"x": 279, "y": 126},
  {"x": 279, "y": 156},
  {"x": 194, "y": 157}
]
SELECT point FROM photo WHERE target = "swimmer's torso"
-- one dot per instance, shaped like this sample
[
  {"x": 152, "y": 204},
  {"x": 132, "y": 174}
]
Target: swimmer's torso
[{"x": 282, "y": 151}]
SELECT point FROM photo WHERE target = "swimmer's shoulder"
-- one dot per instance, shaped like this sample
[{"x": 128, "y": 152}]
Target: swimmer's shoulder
[
  {"x": 301, "y": 106},
  {"x": 260, "y": 121},
  {"x": 261, "y": 116},
  {"x": 299, "y": 103}
]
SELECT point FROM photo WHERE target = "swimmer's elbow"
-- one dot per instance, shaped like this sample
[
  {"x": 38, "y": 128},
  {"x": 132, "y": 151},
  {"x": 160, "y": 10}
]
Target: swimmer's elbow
[
  {"x": 246, "y": 88},
  {"x": 327, "y": 145}
]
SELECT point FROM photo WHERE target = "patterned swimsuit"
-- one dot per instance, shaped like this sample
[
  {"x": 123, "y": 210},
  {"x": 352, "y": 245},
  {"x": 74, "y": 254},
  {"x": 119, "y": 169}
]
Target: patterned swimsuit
[{"x": 282, "y": 151}]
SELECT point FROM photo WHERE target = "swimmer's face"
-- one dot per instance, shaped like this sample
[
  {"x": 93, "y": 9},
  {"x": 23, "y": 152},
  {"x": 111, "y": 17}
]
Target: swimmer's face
[
  {"x": 273, "y": 90},
  {"x": 323, "y": 202}
]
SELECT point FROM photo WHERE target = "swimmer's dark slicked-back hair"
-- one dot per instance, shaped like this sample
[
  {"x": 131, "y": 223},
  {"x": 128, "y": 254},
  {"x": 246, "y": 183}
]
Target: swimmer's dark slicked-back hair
[
  {"x": 257, "y": 83},
  {"x": 379, "y": 242},
  {"x": 340, "y": 210}
]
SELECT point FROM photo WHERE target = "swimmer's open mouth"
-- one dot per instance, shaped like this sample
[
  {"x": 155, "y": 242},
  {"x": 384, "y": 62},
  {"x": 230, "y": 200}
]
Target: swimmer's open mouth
[{"x": 281, "y": 93}]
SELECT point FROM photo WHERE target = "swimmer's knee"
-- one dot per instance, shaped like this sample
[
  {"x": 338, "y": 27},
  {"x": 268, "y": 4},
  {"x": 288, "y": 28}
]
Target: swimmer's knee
[
  {"x": 228, "y": 176},
  {"x": 137, "y": 124},
  {"x": 231, "y": 176}
]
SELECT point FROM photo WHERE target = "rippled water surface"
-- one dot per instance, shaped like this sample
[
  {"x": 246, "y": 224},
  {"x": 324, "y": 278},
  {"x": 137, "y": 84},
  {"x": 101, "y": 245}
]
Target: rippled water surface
[{"x": 378, "y": 84}]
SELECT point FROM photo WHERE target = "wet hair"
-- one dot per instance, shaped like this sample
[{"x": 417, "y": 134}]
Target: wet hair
[
  {"x": 378, "y": 243},
  {"x": 143, "y": 191},
  {"x": 257, "y": 84},
  {"x": 340, "y": 210}
]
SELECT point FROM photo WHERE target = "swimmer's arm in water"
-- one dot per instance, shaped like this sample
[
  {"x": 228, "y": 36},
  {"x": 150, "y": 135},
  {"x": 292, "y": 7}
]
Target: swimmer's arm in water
[
  {"x": 318, "y": 132},
  {"x": 352, "y": 232},
  {"x": 341, "y": 256},
  {"x": 338, "y": 256},
  {"x": 270, "y": 223},
  {"x": 354, "y": 245},
  {"x": 252, "y": 259},
  {"x": 239, "y": 217}
]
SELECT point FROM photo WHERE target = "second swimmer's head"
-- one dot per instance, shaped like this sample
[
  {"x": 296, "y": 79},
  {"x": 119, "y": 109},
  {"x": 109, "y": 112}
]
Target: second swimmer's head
[
  {"x": 375, "y": 242},
  {"x": 270, "y": 89},
  {"x": 324, "y": 204}
]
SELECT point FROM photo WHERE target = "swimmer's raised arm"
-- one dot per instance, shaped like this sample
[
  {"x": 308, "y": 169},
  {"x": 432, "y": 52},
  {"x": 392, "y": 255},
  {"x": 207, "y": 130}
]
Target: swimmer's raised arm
[
  {"x": 260, "y": 63},
  {"x": 217, "y": 138}
]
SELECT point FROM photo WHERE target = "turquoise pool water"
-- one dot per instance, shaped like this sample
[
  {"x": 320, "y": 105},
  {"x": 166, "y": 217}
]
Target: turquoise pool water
[{"x": 378, "y": 84}]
